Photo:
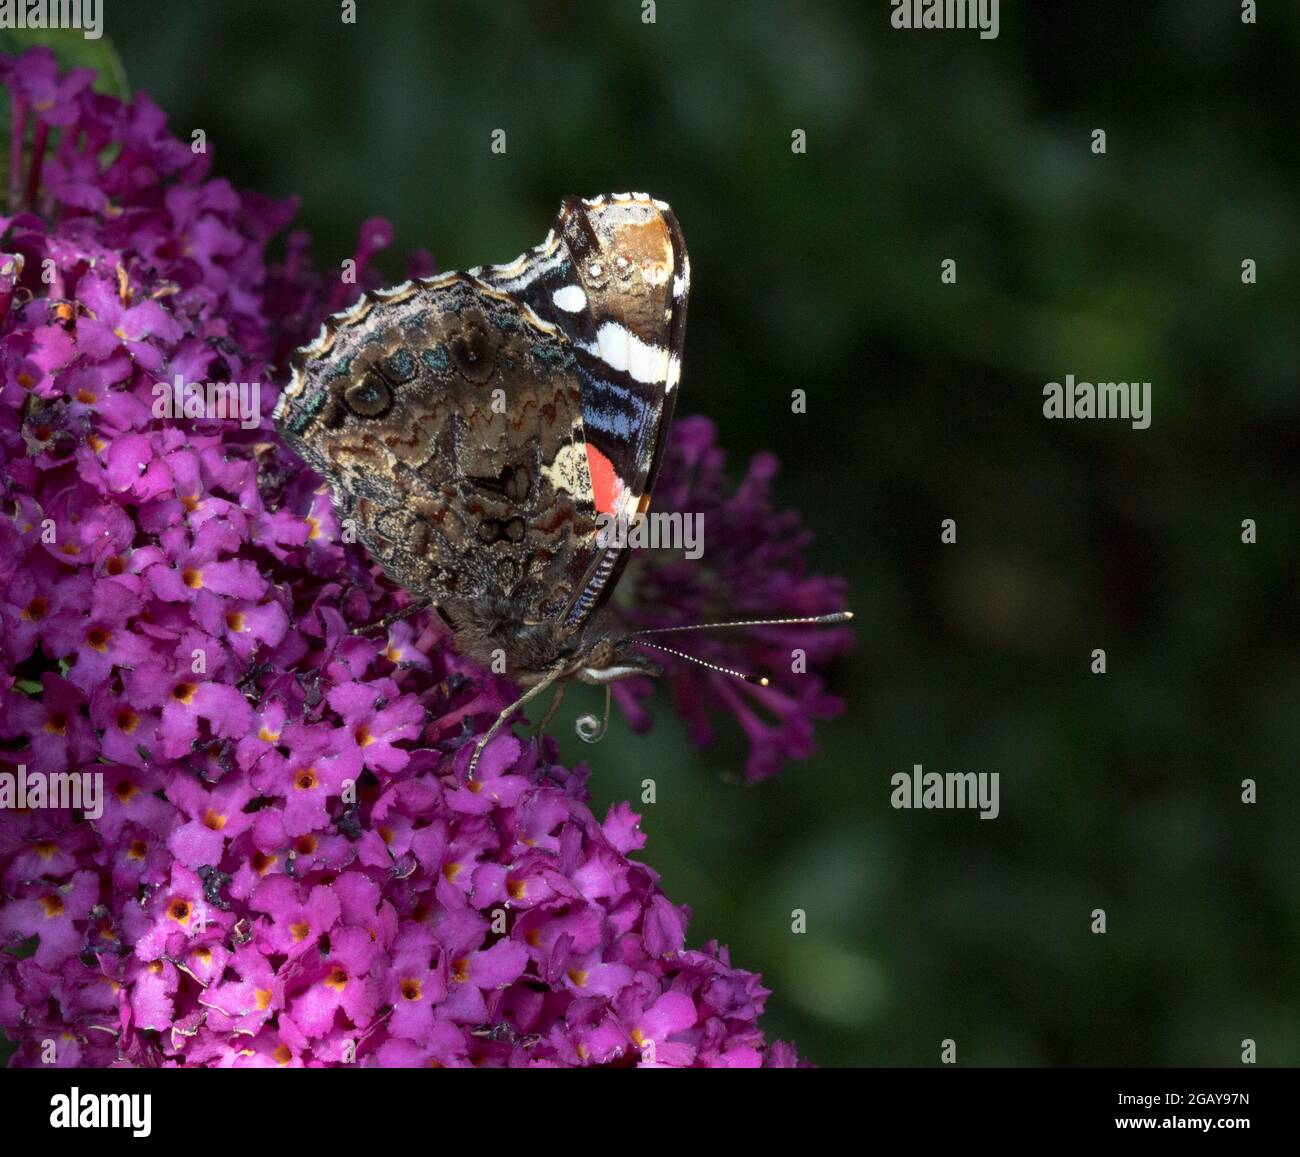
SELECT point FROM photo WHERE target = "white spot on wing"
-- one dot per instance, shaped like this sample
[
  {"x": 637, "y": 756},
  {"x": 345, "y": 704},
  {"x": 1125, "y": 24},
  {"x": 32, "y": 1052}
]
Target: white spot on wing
[
  {"x": 621, "y": 349},
  {"x": 570, "y": 298}
]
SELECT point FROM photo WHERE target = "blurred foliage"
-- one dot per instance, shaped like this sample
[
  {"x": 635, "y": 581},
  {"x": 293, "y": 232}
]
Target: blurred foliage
[{"x": 821, "y": 271}]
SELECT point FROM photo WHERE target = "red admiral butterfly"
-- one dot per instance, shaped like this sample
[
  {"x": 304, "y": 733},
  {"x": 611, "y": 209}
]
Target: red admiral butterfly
[{"x": 474, "y": 426}]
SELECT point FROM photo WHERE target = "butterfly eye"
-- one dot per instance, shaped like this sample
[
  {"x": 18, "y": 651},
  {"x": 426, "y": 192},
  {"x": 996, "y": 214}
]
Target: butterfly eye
[{"x": 370, "y": 397}]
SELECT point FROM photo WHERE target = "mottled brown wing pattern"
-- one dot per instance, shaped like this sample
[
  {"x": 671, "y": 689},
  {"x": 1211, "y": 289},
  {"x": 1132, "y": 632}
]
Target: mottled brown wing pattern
[{"x": 448, "y": 418}]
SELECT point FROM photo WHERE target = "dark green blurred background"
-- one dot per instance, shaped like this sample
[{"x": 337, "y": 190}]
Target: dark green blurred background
[{"x": 821, "y": 271}]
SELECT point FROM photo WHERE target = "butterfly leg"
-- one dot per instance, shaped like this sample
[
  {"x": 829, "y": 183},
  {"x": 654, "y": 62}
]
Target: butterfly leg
[
  {"x": 550, "y": 711},
  {"x": 532, "y": 693},
  {"x": 388, "y": 620}
]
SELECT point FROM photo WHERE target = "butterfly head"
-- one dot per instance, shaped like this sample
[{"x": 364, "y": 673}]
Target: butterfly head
[
  {"x": 609, "y": 659},
  {"x": 534, "y": 652}
]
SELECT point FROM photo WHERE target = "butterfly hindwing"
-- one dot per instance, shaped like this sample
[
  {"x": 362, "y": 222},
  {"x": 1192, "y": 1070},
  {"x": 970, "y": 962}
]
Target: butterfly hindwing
[{"x": 448, "y": 418}]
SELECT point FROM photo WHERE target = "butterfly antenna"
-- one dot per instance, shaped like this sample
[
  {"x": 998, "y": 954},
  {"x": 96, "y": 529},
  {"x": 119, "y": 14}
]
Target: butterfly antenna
[
  {"x": 814, "y": 620},
  {"x": 757, "y": 680}
]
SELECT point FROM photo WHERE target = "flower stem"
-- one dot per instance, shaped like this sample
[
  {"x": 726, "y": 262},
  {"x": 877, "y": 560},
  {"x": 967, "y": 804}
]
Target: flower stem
[
  {"x": 17, "y": 131},
  {"x": 40, "y": 136}
]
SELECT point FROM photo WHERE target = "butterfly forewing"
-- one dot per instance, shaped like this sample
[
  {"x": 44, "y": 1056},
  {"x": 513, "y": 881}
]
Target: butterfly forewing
[{"x": 614, "y": 278}]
